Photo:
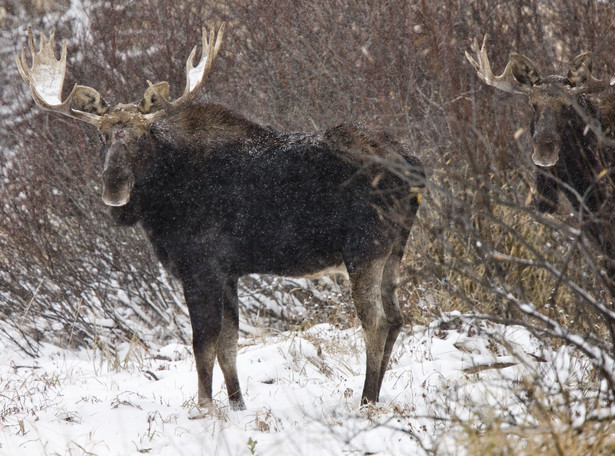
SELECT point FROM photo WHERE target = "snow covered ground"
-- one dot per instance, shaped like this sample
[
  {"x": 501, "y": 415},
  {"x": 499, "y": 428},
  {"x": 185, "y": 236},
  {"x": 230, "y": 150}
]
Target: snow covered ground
[{"x": 302, "y": 391}]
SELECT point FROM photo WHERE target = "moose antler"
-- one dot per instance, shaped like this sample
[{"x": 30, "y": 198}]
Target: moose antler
[
  {"x": 196, "y": 75},
  {"x": 46, "y": 78},
  {"x": 518, "y": 76}
]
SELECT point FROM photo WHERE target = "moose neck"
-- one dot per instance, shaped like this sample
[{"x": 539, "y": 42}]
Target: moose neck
[
  {"x": 583, "y": 155},
  {"x": 203, "y": 127},
  {"x": 179, "y": 147}
]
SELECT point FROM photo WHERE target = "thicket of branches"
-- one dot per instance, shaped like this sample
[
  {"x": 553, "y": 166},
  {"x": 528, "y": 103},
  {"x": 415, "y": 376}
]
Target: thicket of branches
[{"x": 479, "y": 246}]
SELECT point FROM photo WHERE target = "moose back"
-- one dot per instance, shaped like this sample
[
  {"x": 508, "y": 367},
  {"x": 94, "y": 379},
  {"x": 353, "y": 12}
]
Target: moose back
[{"x": 220, "y": 197}]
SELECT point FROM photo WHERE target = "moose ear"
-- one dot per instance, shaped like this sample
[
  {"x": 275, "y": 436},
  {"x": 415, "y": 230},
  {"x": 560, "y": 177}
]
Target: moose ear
[
  {"x": 152, "y": 101},
  {"x": 524, "y": 70},
  {"x": 580, "y": 68},
  {"x": 89, "y": 100}
]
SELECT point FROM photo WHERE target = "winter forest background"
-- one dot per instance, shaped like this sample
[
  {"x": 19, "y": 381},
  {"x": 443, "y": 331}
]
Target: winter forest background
[{"x": 480, "y": 248}]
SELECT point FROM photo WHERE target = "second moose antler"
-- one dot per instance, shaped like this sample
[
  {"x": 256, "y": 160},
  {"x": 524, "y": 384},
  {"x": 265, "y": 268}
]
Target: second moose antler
[{"x": 518, "y": 75}]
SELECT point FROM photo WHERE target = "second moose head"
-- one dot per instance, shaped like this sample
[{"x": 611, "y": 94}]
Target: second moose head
[
  {"x": 554, "y": 98},
  {"x": 572, "y": 128}
]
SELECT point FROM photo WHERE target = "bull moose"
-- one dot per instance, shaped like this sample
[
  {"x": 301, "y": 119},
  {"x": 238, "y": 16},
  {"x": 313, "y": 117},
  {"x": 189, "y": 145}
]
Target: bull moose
[
  {"x": 220, "y": 196},
  {"x": 573, "y": 132}
]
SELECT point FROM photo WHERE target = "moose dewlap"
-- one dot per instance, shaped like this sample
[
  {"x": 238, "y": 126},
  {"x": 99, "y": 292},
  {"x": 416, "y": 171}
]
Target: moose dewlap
[{"x": 220, "y": 196}]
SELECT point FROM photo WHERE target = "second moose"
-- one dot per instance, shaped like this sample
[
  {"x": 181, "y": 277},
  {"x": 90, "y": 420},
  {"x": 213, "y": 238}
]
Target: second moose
[{"x": 572, "y": 128}]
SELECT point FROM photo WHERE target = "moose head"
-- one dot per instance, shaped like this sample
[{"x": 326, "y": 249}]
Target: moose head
[{"x": 120, "y": 126}]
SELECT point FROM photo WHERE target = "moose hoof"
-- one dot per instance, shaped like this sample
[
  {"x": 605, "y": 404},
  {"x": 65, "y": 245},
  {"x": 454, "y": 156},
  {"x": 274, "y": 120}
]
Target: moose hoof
[{"x": 237, "y": 405}]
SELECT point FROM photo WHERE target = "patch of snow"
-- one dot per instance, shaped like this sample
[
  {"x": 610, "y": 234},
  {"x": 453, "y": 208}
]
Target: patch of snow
[{"x": 302, "y": 392}]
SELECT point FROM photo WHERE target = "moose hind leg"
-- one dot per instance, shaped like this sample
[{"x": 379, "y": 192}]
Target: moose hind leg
[
  {"x": 390, "y": 282},
  {"x": 366, "y": 279},
  {"x": 227, "y": 347}
]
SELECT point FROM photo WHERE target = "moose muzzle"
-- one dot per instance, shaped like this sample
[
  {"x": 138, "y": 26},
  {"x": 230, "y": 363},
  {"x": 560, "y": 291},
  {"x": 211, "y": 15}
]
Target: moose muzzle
[
  {"x": 546, "y": 154},
  {"x": 118, "y": 178},
  {"x": 545, "y": 139}
]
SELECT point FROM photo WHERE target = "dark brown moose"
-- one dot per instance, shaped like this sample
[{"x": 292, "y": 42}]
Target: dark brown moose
[
  {"x": 220, "y": 197},
  {"x": 573, "y": 129}
]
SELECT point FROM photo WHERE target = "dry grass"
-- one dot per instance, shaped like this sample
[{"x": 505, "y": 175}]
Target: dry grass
[
  {"x": 547, "y": 432},
  {"x": 464, "y": 247}
]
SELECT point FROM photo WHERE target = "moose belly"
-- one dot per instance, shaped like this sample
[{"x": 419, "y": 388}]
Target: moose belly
[
  {"x": 293, "y": 261},
  {"x": 339, "y": 269}
]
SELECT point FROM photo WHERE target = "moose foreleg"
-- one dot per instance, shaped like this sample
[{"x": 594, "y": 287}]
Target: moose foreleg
[{"x": 205, "y": 303}]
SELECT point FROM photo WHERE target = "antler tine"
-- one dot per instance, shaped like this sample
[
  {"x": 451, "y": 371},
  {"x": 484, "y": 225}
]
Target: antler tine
[
  {"x": 46, "y": 78},
  {"x": 506, "y": 81},
  {"x": 197, "y": 75}
]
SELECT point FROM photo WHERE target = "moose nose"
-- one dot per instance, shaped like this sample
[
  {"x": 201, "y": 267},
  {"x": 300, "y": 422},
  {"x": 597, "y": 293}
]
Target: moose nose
[
  {"x": 115, "y": 200},
  {"x": 116, "y": 192},
  {"x": 546, "y": 141},
  {"x": 546, "y": 150},
  {"x": 545, "y": 158}
]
